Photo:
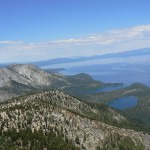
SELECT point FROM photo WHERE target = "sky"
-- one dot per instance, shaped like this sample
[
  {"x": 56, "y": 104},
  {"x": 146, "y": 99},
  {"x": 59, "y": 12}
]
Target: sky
[{"x": 33, "y": 30}]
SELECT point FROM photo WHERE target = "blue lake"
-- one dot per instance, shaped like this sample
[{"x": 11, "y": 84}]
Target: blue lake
[
  {"x": 124, "y": 102},
  {"x": 104, "y": 89}
]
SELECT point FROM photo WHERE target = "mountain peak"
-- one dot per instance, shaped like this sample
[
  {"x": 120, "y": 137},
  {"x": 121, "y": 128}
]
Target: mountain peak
[
  {"x": 139, "y": 85},
  {"x": 24, "y": 75},
  {"x": 22, "y": 66}
]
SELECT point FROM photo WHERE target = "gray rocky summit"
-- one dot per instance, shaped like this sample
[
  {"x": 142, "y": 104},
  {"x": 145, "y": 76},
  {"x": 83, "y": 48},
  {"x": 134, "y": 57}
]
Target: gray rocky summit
[{"x": 16, "y": 79}]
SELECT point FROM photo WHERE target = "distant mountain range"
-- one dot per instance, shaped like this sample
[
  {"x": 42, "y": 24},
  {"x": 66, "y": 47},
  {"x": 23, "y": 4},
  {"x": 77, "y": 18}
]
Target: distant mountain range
[
  {"x": 42, "y": 63},
  {"x": 138, "y": 52}
]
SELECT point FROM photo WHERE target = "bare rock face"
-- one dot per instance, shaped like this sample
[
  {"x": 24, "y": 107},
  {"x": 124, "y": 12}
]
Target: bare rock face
[
  {"x": 16, "y": 79},
  {"x": 5, "y": 77},
  {"x": 32, "y": 74}
]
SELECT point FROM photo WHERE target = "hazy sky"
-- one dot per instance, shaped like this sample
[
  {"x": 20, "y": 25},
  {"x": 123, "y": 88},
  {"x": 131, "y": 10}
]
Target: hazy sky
[{"x": 33, "y": 30}]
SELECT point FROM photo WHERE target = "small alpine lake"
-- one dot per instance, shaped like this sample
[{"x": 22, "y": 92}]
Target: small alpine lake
[
  {"x": 107, "y": 88},
  {"x": 124, "y": 102}
]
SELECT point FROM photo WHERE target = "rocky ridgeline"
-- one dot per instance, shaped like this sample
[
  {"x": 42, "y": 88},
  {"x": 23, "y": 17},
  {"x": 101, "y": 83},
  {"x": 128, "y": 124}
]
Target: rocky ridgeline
[
  {"x": 54, "y": 111},
  {"x": 20, "y": 79}
]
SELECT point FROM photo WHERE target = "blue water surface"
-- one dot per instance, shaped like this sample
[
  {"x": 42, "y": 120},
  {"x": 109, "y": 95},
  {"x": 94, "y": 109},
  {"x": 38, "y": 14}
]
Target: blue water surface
[
  {"x": 104, "y": 89},
  {"x": 124, "y": 102}
]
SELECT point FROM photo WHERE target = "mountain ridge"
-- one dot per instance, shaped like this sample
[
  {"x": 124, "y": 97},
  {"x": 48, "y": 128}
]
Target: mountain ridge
[
  {"x": 67, "y": 116},
  {"x": 136, "y": 52}
]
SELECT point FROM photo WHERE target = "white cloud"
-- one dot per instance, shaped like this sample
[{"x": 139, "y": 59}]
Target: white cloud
[
  {"x": 10, "y": 42},
  {"x": 95, "y": 44}
]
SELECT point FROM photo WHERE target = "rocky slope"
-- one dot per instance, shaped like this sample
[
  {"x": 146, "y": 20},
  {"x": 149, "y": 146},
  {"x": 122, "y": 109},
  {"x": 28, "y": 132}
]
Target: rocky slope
[
  {"x": 56, "y": 114},
  {"x": 20, "y": 79}
]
